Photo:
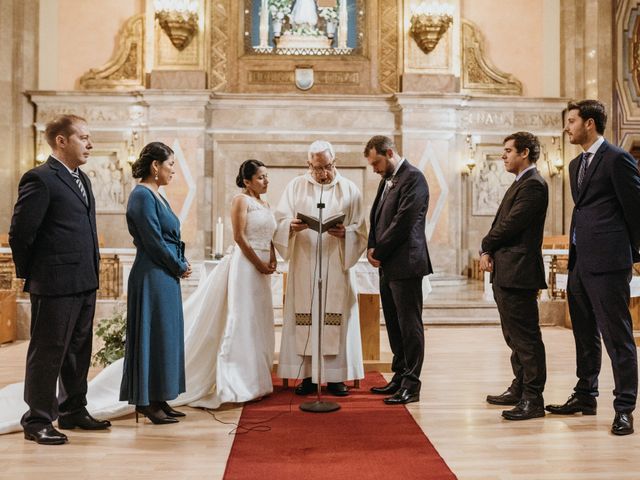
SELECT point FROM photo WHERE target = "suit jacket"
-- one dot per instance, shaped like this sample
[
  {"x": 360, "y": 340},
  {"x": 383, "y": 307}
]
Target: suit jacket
[
  {"x": 606, "y": 212},
  {"x": 398, "y": 223},
  {"x": 515, "y": 238},
  {"x": 53, "y": 234}
]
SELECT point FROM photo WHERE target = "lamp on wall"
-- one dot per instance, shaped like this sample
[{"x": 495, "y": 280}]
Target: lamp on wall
[
  {"x": 178, "y": 19},
  {"x": 41, "y": 157},
  {"x": 470, "y": 161},
  {"x": 429, "y": 22},
  {"x": 555, "y": 164},
  {"x": 131, "y": 153}
]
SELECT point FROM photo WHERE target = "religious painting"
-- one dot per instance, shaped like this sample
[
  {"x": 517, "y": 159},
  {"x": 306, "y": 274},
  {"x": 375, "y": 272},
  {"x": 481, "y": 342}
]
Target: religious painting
[
  {"x": 490, "y": 183},
  {"x": 304, "y": 27}
]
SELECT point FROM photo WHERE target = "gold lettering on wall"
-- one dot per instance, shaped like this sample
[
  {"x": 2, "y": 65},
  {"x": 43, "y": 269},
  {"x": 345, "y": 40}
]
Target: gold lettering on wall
[{"x": 279, "y": 77}]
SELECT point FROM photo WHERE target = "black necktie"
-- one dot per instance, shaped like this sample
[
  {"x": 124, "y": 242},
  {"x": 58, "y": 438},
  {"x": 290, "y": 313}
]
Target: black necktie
[
  {"x": 76, "y": 177},
  {"x": 584, "y": 163}
]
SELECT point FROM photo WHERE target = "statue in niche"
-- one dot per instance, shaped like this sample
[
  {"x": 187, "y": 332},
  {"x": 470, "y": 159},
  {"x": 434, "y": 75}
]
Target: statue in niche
[
  {"x": 304, "y": 13},
  {"x": 304, "y": 27}
]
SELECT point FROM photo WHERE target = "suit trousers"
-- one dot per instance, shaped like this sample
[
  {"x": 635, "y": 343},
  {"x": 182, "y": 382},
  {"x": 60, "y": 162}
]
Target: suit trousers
[
  {"x": 599, "y": 306},
  {"x": 518, "y": 308},
  {"x": 59, "y": 352},
  {"x": 402, "y": 308}
]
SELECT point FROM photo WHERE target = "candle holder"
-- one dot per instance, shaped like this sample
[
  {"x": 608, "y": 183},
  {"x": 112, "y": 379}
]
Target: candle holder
[{"x": 218, "y": 256}]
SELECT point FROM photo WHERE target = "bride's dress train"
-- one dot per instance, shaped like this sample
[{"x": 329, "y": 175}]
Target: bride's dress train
[{"x": 229, "y": 338}]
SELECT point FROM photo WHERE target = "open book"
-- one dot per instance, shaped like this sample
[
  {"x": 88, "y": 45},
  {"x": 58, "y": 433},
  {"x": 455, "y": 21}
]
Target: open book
[{"x": 314, "y": 223}]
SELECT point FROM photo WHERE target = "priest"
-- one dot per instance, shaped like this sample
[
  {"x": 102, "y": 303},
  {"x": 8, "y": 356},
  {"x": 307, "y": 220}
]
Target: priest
[{"x": 341, "y": 246}]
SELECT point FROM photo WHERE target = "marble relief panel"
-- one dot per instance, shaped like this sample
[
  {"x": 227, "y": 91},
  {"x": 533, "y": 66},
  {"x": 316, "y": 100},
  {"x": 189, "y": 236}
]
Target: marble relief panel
[
  {"x": 490, "y": 182},
  {"x": 110, "y": 183}
]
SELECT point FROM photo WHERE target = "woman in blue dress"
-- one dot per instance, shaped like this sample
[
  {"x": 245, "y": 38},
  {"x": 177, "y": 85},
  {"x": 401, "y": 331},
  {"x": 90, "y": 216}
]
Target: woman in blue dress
[{"x": 153, "y": 370}]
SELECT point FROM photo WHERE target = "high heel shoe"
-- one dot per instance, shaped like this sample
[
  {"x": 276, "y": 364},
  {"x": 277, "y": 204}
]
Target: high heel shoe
[
  {"x": 155, "y": 414},
  {"x": 170, "y": 412}
]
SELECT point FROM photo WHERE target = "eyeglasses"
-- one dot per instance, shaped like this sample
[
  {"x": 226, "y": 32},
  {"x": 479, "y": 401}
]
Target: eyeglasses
[{"x": 326, "y": 168}]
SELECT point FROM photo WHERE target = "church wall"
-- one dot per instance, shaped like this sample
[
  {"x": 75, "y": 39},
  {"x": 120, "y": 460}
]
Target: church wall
[
  {"x": 86, "y": 33},
  {"x": 513, "y": 33}
]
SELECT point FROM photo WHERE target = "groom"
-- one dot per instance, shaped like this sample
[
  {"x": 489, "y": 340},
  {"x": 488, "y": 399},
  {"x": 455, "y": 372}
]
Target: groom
[
  {"x": 398, "y": 247},
  {"x": 54, "y": 244}
]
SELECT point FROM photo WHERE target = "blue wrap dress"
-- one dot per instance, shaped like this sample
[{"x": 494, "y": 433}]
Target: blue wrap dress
[{"x": 154, "y": 354}]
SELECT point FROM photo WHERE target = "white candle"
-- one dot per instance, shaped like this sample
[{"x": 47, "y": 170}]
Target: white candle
[{"x": 219, "y": 236}]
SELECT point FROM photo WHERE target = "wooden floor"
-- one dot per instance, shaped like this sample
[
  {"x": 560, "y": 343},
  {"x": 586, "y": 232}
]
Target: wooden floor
[{"x": 462, "y": 365}]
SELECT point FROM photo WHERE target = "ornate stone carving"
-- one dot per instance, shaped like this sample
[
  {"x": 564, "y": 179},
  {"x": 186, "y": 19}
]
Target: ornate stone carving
[
  {"x": 219, "y": 41},
  {"x": 126, "y": 69},
  {"x": 388, "y": 46},
  {"x": 92, "y": 113},
  {"x": 478, "y": 75}
]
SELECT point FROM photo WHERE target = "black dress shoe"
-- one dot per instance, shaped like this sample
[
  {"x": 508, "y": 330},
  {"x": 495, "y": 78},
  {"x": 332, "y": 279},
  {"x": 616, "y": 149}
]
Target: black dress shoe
[
  {"x": 508, "y": 397},
  {"x": 82, "y": 420},
  {"x": 389, "y": 389},
  {"x": 575, "y": 404},
  {"x": 46, "y": 436},
  {"x": 622, "y": 424},
  {"x": 306, "y": 387},
  {"x": 170, "y": 412},
  {"x": 525, "y": 409},
  {"x": 338, "y": 389},
  {"x": 402, "y": 397}
]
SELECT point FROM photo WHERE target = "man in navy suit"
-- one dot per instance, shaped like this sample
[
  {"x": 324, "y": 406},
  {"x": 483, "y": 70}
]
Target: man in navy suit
[
  {"x": 604, "y": 241},
  {"x": 54, "y": 244},
  {"x": 398, "y": 247}
]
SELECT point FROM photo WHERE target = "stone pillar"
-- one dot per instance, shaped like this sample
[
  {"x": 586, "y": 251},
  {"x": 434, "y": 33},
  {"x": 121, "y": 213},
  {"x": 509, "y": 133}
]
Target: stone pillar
[{"x": 18, "y": 73}]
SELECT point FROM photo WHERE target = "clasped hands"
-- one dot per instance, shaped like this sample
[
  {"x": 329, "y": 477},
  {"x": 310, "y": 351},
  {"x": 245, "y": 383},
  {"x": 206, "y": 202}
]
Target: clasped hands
[
  {"x": 187, "y": 273},
  {"x": 268, "y": 268},
  {"x": 486, "y": 263}
]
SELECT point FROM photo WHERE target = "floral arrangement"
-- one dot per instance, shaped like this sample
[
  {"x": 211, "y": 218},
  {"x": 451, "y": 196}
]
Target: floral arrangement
[
  {"x": 112, "y": 331},
  {"x": 330, "y": 14},
  {"x": 279, "y": 8}
]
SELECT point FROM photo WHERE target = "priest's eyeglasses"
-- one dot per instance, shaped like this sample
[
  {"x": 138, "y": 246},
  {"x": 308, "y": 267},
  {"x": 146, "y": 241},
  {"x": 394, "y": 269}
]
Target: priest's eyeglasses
[{"x": 326, "y": 168}]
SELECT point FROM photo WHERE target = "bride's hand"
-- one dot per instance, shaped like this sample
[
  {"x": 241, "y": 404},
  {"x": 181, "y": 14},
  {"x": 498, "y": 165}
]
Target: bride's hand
[{"x": 266, "y": 268}]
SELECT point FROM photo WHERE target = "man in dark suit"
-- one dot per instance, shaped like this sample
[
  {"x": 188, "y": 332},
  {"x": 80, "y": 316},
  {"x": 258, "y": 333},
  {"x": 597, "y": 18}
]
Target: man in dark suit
[
  {"x": 511, "y": 251},
  {"x": 604, "y": 241},
  {"x": 398, "y": 247},
  {"x": 55, "y": 249}
]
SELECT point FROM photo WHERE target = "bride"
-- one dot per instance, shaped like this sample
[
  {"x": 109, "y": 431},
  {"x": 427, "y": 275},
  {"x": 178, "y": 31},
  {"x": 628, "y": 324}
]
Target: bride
[{"x": 228, "y": 321}]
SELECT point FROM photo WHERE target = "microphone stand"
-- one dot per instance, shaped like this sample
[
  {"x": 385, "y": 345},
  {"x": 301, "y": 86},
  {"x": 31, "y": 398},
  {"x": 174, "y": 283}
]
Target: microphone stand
[{"x": 319, "y": 405}]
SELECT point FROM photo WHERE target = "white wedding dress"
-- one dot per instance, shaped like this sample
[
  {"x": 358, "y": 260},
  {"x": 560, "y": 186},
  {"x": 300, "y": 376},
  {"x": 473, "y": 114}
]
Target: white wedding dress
[{"x": 229, "y": 338}]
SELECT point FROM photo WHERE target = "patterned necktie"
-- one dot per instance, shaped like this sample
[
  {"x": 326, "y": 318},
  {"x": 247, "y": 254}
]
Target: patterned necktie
[
  {"x": 584, "y": 163},
  {"x": 76, "y": 177}
]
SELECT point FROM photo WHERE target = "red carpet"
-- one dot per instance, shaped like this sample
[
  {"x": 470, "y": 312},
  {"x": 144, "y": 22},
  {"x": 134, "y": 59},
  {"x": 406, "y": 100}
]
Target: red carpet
[{"x": 365, "y": 439}]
